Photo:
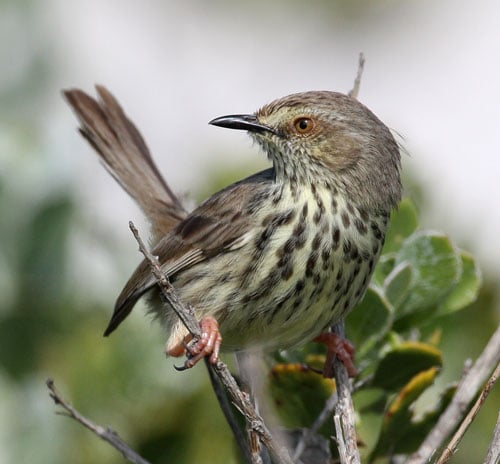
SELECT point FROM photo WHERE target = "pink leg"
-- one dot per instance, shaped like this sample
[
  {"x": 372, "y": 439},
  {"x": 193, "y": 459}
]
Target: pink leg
[
  {"x": 337, "y": 347},
  {"x": 208, "y": 344}
]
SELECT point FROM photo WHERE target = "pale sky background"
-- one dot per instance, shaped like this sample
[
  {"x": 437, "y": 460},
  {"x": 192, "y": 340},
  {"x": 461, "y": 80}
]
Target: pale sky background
[{"x": 432, "y": 74}]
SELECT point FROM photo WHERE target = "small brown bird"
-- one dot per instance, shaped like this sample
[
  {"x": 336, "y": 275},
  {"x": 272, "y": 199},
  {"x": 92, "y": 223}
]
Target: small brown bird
[{"x": 274, "y": 259}]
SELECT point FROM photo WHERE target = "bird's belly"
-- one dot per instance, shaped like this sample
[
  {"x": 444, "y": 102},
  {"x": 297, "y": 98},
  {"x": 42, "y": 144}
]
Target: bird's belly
[
  {"x": 278, "y": 294},
  {"x": 296, "y": 312}
]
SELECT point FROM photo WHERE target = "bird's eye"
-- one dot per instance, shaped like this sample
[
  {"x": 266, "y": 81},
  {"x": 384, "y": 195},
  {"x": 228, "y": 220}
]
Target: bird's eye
[{"x": 303, "y": 125}]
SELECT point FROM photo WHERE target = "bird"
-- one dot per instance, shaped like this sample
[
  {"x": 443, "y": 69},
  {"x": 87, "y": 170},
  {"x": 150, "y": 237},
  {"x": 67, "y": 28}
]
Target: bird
[{"x": 273, "y": 260}]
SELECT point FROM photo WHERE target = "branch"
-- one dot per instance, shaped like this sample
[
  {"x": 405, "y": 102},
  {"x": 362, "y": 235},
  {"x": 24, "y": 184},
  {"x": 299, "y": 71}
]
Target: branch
[
  {"x": 241, "y": 400},
  {"x": 250, "y": 383},
  {"x": 452, "y": 446},
  {"x": 225, "y": 406},
  {"x": 106, "y": 434},
  {"x": 493, "y": 456},
  {"x": 357, "y": 81},
  {"x": 467, "y": 389},
  {"x": 344, "y": 417},
  {"x": 308, "y": 434}
]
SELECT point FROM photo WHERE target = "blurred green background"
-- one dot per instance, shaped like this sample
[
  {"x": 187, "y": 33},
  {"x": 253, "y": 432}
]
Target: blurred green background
[{"x": 65, "y": 249}]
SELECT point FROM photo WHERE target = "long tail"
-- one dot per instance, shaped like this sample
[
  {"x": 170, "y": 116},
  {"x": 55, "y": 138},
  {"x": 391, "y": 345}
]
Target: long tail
[{"x": 126, "y": 156}]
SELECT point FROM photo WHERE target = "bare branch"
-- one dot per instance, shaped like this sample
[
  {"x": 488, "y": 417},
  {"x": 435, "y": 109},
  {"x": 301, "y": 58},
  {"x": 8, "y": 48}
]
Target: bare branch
[
  {"x": 241, "y": 400},
  {"x": 251, "y": 384},
  {"x": 307, "y": 434},
  {"x": 224, "y": 403},
  {"x": 467, "y": 389},
  {"x": 185, "y": 314},
  {"x": 106, "y": 434},
  {"x": 344, "y": 410},
  {"x": 245, "y": 404},
  {"x": 493, "y": 456},
  {"x": 452, "y": 446},
  {"x": 357, "y": 82}
]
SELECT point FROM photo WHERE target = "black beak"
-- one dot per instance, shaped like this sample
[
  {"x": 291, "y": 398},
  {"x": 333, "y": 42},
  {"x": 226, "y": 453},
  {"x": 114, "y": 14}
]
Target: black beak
[{"x": 247, "y": 122}]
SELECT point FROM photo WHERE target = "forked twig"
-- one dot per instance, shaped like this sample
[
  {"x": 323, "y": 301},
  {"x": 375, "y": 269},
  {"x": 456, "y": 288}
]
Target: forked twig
[
  {"x": 323, "y": 416},
  {"x": 452, "y": 446},
  {"x": 225, "y": 406},
  {"x": 240, "y": 399},
  {"x": 106, "y": 434},
  {"x": 467, "y": 389}
]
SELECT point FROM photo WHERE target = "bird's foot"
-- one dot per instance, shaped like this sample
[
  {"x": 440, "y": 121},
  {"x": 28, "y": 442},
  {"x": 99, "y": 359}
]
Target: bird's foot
[
  {"x": 339, "y": 347},
  {"x": 208, "y": 345}
]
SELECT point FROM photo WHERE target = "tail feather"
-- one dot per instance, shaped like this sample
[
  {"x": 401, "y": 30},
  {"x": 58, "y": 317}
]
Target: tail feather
[{"x": 126, "y": 156}]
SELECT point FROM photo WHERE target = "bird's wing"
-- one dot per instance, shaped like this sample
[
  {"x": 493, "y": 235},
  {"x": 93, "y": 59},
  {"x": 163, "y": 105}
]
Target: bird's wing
[{"x": 219, "y": 225}]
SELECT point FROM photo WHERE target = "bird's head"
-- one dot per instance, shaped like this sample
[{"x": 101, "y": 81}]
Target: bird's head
[{"x": 328, "y": 138}]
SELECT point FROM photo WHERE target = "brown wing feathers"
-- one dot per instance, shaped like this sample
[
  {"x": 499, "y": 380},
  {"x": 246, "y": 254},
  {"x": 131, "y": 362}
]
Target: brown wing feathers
[
  {"x": 126, "y": 156},
  {"x": 182, "y": 241}
]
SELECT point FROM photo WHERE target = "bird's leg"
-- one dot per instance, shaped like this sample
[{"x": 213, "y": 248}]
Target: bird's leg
[
  {"x": 208, "y": 345},
  {"x": 339, "y": 347}
]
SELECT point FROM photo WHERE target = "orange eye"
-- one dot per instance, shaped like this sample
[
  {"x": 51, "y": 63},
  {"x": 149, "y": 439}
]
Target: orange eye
[{"x": 303, "y": 125}]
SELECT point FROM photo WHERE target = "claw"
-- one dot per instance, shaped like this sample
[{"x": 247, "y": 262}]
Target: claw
[
  {"x": 181, "y": 368},
  {"x": 208, "y": 345}
]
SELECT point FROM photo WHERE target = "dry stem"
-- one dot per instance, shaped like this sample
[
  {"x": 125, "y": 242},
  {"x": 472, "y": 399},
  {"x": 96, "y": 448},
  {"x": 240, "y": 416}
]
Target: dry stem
[
  {"x": 493, "y": 455},
  {"x": 106, "y": 434},
  {"x": 357, "y": 81},
  {"x": 240, "y": 399},
  {"x": 467, "y": 389},
  {"x": 452, "y": 446}
]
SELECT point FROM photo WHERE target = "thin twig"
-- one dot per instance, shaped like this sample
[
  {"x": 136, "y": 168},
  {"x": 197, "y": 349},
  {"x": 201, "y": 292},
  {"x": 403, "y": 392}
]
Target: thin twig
[
  {"x": 452, "y": 446},
  {"x": 493, "y": 455},
  {"x": 225, "y": 405},
  {"x": 245, "y": 404},
  {"x": 241, "y": 400},
  {"x": 185, "y": 313},
  {"x": 250, "y": 383},
  {"x": 357, "y": 82},
  {"x": 323, "y": 416},
  {"x": 105, "y": 434},
  {"x": 344, "y": 409},
  {"x": 469, "y": 385}
]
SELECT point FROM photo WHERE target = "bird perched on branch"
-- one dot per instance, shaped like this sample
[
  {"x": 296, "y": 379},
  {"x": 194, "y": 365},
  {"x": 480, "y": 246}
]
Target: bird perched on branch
[{"x": 274, "y": 259}]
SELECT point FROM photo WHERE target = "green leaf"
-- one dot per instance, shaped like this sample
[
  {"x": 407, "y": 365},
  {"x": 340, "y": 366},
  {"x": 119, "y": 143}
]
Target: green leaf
[
  {"x": 397, "y": 430},
  {"x": 405, "y": 434},
  {"x": 403, "y": 223},
  {"x": 369, "y": 321},
  {"x": 398, "y": 284},
  {"x": 466, "y": 290},
  {"x": 436, "y": 268},
  {"x": 399, "y": 365},
  {"x": 299, "y": 394},
  {"x": 383, "y": 268},
  {"x": 415, "y": 434}
]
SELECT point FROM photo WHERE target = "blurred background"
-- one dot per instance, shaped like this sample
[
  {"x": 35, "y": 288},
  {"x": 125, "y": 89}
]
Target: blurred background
[{"x": 431, "y": 74}]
